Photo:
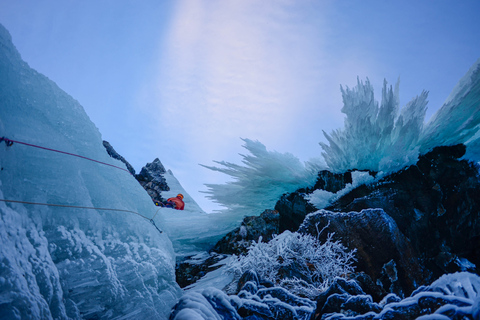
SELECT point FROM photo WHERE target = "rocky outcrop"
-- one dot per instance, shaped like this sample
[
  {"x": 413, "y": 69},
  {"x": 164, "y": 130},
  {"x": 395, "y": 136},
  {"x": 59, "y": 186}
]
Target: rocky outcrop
[
  {"x": 332, "y": 182},
  {"x": 251, "y": 229},
  {"x": 382, "y": 251},
  {"x": 436, "y": 206},
  {"x": 428, "y": 225},
  {"x": 152, "y": 180},
  {"x": 293, "y": 207},
  {"x": 150, "y": 177},
  {"x": 115, "y": 155}
]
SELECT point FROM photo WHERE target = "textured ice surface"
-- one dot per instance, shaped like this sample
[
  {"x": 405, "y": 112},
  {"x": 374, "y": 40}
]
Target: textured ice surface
[
  {"x": 58, "y": 262},
  {"x": 265, "y": 176},
  {"x": 383, "y": 137}
]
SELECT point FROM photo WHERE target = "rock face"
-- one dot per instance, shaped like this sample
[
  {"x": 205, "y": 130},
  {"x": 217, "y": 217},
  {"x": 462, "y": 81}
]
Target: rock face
[
  {"x": 151, "y": 178},
  {"x": 428, "y": 225},
  {"x": 436, "y": 206},
  {"x": 293, "y": 207},
  {"x": 252, "y": 228},
  {"x": 114, "y": 154},
  {"x": 193, "y": 268}
]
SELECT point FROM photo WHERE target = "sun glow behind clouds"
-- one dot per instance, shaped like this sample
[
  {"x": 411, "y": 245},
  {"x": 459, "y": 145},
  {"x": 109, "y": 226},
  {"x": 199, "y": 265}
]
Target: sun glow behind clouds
[{"x": 233, "y": 68}]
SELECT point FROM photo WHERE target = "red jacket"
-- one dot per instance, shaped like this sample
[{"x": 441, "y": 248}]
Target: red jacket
[{"x": 179, "y": 204}]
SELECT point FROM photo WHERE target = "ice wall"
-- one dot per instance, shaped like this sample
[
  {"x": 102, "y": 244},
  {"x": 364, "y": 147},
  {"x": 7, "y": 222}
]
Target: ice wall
[{"x": 58, "y": 262}]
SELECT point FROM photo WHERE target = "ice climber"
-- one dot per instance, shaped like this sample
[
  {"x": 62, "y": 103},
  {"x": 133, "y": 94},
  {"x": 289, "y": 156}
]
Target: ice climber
[{"x": 175, "y": 202}]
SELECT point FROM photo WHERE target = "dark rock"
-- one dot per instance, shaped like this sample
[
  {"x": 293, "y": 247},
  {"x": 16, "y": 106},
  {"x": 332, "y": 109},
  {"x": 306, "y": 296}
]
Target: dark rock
[
  {"x": 115, "y": 155},
  {"x": 250, "y": 287},
  {"x": 332, "y": 182},
  {"x": 152, "y": 180},
  {"x": 367, "y": 284},
  {"x": 293, "y": 208},
  {"x": 247, "y": 276},
  {"x": 436, "y": 206},
  {"x": 150, "y": 177},
  {"x": 251, "y": 229},
  {"x": 193, "y": 268},
  {"x": 254, "y": 310},
  {"x": 339, "y": 287},
  {"x": 383, "y": 252}
]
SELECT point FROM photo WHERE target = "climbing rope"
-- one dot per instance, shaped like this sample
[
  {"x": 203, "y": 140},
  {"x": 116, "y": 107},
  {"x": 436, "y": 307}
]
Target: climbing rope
[
  {"x": 10, "y": 142},
  {"x": 82, "y": 207}
]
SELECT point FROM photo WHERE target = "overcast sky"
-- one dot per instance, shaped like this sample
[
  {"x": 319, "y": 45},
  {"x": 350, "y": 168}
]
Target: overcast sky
[{"x": 184, "y": 80}]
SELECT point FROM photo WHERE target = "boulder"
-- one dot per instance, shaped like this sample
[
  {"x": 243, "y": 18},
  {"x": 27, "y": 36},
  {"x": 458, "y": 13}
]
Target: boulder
[
  {"x": 293, "y": 208},
  {"x": 382, "y": 251}
]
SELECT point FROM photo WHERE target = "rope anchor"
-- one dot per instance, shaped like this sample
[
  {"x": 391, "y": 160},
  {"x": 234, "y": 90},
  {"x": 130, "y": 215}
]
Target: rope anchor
[
  {"x": 8, "y": 142},
  {"x": 153, "y": 222}
]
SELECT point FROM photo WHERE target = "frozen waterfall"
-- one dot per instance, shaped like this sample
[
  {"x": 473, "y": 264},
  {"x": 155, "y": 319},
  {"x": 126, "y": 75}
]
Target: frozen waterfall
[{"x": 66, "y": 262}]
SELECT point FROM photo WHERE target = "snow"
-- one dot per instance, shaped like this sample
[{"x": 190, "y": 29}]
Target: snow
[
  {"x": 59, "y": 262},
  {"x": 176, "y": 188},
  {"x": 218, "y": 278},
  {"x": 321, "y": 198},
  {"x": 460, "y": 284}
]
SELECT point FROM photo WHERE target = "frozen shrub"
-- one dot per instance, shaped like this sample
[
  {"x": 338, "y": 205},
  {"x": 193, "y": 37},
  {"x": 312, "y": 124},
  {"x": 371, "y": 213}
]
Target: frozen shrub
[{"x": 298, "y": 262}]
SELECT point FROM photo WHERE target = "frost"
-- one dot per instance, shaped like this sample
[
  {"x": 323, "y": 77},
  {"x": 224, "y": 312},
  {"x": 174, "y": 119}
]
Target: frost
[
  {"x": 382, "y": 138},
  {"x": 460, "y": 284},
  {"x": 321, "y": 198},
  {"x": 268, "y": 173},
  {"x": 375, "y": 137},
  {"x": 296, "y": 254}
]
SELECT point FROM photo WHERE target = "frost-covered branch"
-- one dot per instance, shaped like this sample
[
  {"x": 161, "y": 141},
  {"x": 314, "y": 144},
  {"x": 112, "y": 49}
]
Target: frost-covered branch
[{"x": 297, "y": 261}]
